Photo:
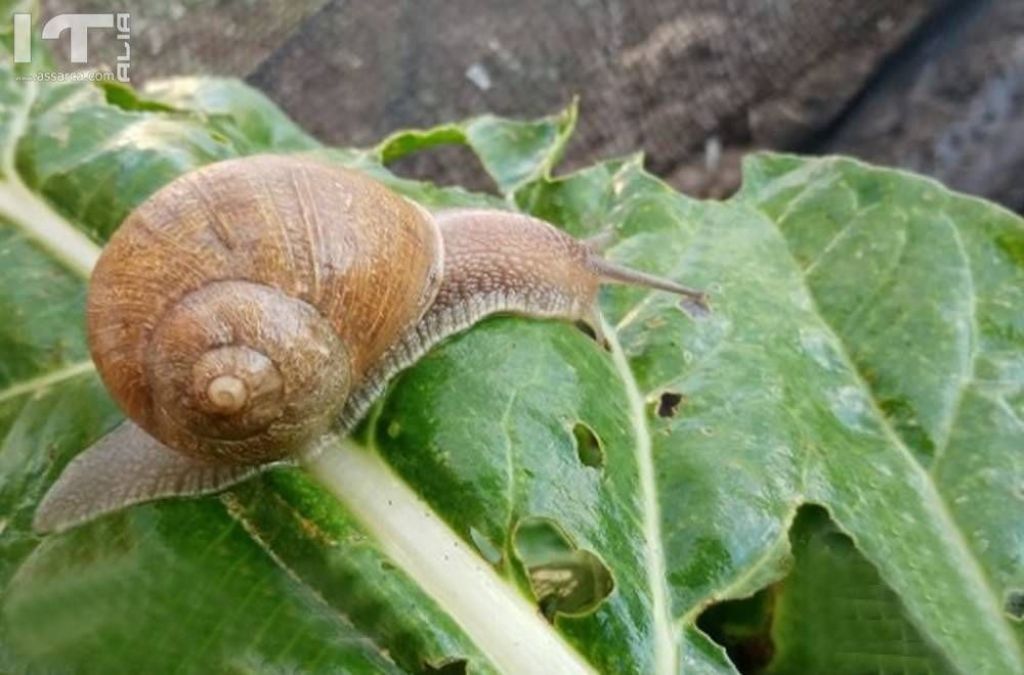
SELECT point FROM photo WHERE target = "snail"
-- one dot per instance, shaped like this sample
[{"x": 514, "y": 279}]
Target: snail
[{"x": 251, "y": 307}]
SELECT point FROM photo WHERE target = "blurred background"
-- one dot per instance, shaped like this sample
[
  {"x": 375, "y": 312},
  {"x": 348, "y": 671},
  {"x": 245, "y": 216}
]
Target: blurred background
[{"x": 936, "y": 86}]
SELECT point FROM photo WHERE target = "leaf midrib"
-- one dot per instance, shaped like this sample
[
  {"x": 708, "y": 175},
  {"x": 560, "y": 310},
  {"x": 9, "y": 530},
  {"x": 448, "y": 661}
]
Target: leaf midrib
[
  {"x": 35, "y": 217},
  {"x": 972, "y": 362},
  {"x": 665, "y": 650},
  {"x": 493, "y": 614},
  {"x": 49, "y": 379}
]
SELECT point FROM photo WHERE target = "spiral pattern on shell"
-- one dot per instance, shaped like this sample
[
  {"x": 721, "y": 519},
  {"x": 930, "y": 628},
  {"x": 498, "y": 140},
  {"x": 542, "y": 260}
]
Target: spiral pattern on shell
[{"x": 233, "y": 311}]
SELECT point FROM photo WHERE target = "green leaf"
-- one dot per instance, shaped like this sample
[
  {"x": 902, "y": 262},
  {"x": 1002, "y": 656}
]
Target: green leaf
[
  {"x": 236, "y": 110},
  {"x": 514, "y": 153},
  {"x": 834, "y": 614},
  {"x": 522, "y": 500}
]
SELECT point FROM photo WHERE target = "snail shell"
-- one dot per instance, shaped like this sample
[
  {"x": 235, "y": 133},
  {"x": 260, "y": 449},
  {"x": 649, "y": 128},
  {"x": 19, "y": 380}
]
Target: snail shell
[
  {"x": 232, "y": 312},
  {"x": 250, "y": 306}
]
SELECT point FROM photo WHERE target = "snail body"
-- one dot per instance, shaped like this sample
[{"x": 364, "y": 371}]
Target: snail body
[{"x": 252, "y": 306}]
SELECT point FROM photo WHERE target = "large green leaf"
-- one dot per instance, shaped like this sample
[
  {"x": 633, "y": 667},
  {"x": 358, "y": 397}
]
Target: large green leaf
[
  {"x": 865, "y": 352},
  {"x": 831, "y": 614},
  {"x": 860, "y": 627}
]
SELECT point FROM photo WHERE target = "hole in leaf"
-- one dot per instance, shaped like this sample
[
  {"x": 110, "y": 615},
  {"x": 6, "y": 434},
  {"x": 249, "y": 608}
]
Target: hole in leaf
[
  {"x": 126, "y": 98},
  {"x": 588, "y": 330},
  {"x": 564, "y": 579},
  {"x": 903, "y": 416},
  {"x": 668, "y": 404},
  {"x": 453, "y": 666},
  {"x": 743, "y": 627},
  {"x": 442, "y": 164},
  {"x": 588, "y": 446},
  {"x": 1014, "y": 604}
]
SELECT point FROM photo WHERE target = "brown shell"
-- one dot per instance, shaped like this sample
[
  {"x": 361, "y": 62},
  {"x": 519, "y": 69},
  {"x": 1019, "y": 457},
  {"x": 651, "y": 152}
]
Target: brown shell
[{"x": 367, "y": 260}]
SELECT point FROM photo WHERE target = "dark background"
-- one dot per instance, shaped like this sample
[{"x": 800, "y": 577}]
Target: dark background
[{"x": 932, "y": 85}]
